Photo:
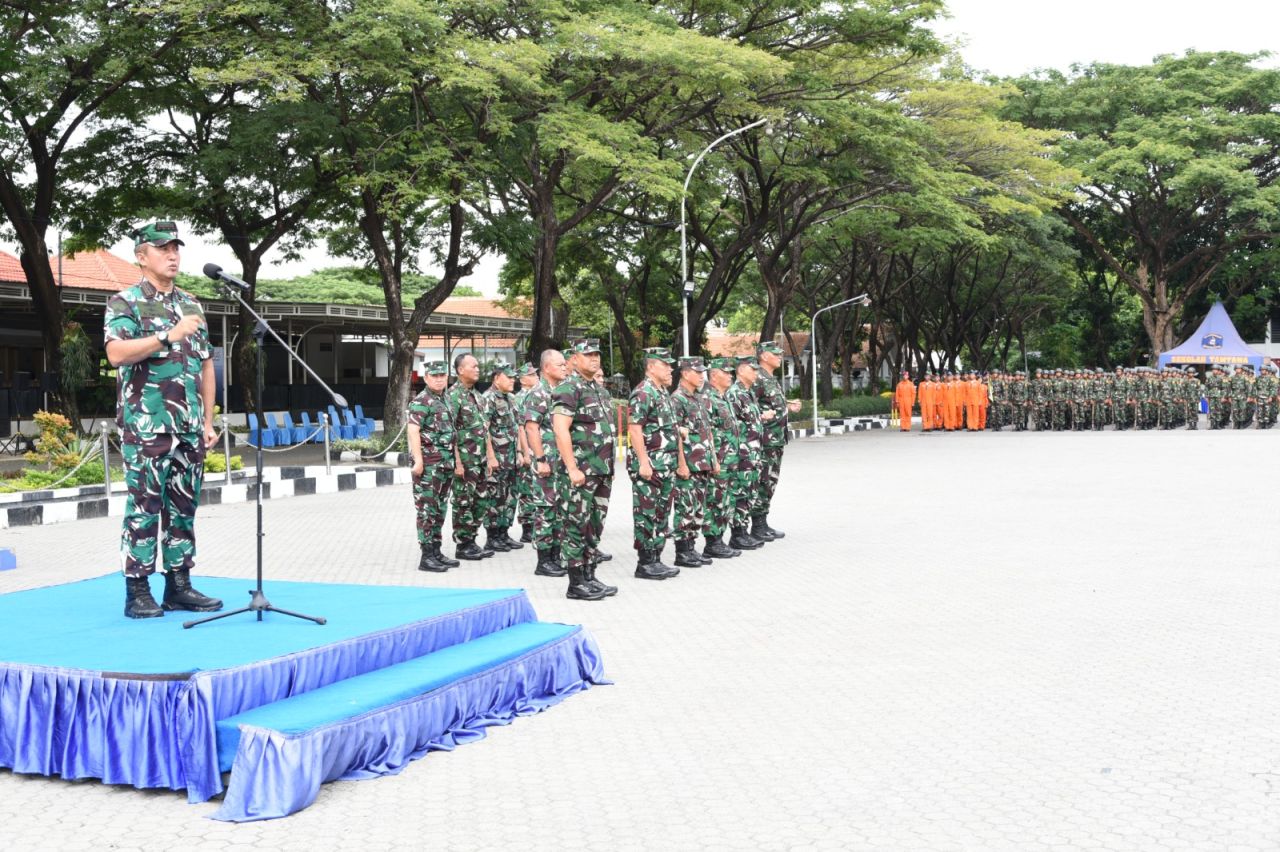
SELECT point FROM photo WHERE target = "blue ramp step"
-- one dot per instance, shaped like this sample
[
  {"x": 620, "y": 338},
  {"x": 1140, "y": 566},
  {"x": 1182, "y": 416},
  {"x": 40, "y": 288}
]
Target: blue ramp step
[{"x": 375, "y": 723}]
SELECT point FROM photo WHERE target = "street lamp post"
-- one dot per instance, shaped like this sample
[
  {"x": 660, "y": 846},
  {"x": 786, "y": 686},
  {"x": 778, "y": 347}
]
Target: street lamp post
[
  {"x": 686, "y": 283},
  {"x": 865, "y": 299}
]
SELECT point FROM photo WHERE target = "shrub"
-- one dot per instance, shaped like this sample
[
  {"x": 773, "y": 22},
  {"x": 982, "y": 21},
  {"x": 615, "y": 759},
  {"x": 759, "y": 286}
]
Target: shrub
[{"x": 215, "y": 462}]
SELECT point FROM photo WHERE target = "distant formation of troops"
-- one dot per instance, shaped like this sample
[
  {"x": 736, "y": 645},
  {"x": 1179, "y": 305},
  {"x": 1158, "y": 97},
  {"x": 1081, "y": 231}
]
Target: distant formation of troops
[
  {"x": 703, "y": 460},
  {"x": 1092, "y": 399}
]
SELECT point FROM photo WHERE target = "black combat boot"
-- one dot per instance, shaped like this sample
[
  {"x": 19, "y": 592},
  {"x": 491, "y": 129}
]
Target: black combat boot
[
  {"x": 526, "y": 533},
  {"x": 428, "y": 561},
  {"x": 685, "y": 555},
  {"x": 744, "y": 541},
  {"x": 138, "y": 602},
  {"x": 580, "y": 589},
  {"x": 548, "y": 566},
  {"x": 493, "y": 540},
  {"x": 441, "y": 558},
  {"x": 717, "y": 549},
  {"x": 485, "y": 550},
  {"x": 510, "y": 542},
  {"x": 178, "y": 594},
  {"x": 609, "y": 591},
  {"x": 649, "y": 567},
  {"x": 469, "y": 551},
  {"x": 759, "y": 530},
  {"x": 598, "y": 556},
  {"x": 769, "y": 529}
]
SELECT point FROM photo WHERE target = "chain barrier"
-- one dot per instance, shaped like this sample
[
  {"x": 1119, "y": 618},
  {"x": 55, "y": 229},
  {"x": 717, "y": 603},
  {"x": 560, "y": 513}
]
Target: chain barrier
[
  {"x": 85, "y": 459},
  {"x": 392, "y": 443},
  {"x": 305, "y": 440}
]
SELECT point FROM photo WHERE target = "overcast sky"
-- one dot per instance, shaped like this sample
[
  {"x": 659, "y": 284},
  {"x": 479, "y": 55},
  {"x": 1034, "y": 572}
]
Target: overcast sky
[{"x": 1004, "y": 37}]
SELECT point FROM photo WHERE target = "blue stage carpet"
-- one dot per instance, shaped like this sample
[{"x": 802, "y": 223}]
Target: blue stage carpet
[{"x": 88, "y": 693}]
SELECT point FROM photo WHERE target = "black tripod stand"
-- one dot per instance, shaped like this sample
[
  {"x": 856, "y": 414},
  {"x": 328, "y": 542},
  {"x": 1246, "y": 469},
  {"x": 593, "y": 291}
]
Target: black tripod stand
[{"x": 258, "y": 602}]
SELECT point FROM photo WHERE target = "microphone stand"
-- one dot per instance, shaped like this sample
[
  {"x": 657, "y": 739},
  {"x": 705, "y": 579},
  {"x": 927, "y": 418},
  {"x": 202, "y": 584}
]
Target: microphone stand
[{"x": 258, "y": 603}]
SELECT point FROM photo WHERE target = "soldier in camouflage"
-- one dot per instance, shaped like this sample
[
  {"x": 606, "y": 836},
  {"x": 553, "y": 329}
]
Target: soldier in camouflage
[
  {"x": 727, "y": 439},
  {"x": 430, "y": 436},
  {"x": 654, "y": 461},
  {"x": 499, "y": 495},
  {"x": 1240, "y": 394},
  {"x": 582, "y": 419},
  {"x": 473, "y": 456},
  {"x": 158, "y": 340},
  {"x": 774, "y": 411},
  {"x": 545, "y": 468},
  {"x": 742, "y": 399},
  {"x": 524, "y": 476},
  {"x": 692, "y": 405}
]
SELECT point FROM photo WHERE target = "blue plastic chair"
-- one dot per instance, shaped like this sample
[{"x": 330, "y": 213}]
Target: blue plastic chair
[
  {"x": 368, "y": 421},
  {"x": 260, "y": 437},
  {"x": 281, "y": 434},
  {"x": 340, "y": 429},
  {"x": 361, "y": 428},
  {"x": 296, "y": 433},
  {"x": 307, "y": 427}
]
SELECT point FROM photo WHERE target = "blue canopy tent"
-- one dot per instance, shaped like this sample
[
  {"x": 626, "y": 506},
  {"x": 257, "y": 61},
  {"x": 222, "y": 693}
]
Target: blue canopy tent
[{"x": 1216, "y": 341}]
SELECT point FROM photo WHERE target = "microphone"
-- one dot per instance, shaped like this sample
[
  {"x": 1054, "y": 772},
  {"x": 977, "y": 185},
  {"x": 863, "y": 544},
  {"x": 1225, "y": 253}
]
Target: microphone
[{"x": 215, "y": 272}]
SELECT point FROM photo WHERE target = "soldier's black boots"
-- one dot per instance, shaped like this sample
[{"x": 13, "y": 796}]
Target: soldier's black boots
[
  {"x": 764, "y": 520},
  {"x": 609, "y": 591},
  {"x": 510, "y": 542},
  {"x": 526, "y": 533},
  {"x": 138, "y": 602},
  {"x": 469, "y": 551},
  {"x": 548, "y": 566},
  {"x": 581, "y": 589},
  {"x": 428, "y": 561},
  {"x": 598, "y": 556},
  {"x": 494, "y": 540},
  {"x": 650, "y": 567},
  {"x": 686, "y": 556},
  {"x": 717, "y": 549},
  {"x": 441, "y": 558},
  {"x": 178, "y": 594},
  {"x": 742, "y": 541},
  {"x": 759, "y": 530}
]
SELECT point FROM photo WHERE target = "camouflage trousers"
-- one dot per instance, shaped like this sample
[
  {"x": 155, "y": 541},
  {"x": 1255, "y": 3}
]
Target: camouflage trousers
[
  {"x": 719, "y": 508},
  {"x": 1079, "y": 415},
  {"x": 742, "y": 497},
  {"x": 468, "y": 509},
  {"x": 1170, "y": 414},
  {"x": 651, "y": 502},
  {"x": 1267, "y": 414},
  {"x": 544, "y": 508},
  {"x": 431, "y": 500},
  {"x": 163, "y": 473},
  {"x": 499, "y": 498},
  {"x": 1192, "y": 413},
  {"x": 690, "y": 517},
  {"x": 1124, "y": 416},
  {"x": 770, "y": 468},
  {"x": 583, "y": 508},
  {"x": 524, "y": 496}
]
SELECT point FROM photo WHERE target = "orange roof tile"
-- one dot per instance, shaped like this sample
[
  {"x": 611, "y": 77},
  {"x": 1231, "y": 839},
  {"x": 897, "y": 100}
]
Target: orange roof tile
[
  {"x": 477, "y": 306},
  {"x": 11, "y": 269},
  {"x": 437, "y": 340},
  {"x": 92, "y": 270}
]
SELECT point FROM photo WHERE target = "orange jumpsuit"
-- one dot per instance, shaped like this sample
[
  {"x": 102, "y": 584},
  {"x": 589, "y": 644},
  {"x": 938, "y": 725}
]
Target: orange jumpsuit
[
  {"x": 952, "y": 405},
  {"x": 926, "y": 405},
  {"x": 975, "y": 404},
  {"x": 904, "y": 397}
]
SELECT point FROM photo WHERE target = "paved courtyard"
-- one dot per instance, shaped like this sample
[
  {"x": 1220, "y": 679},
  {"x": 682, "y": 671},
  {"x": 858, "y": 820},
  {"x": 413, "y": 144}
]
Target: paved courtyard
[{"x": 968, "y": 641}]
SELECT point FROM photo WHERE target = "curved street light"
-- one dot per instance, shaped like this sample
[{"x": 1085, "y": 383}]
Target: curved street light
[
  {"x": 865, "y": 299},
  {"x": 686, "y": 283}
]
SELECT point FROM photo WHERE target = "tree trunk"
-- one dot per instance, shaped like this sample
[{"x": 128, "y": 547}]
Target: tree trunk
[{"x": 550, "y": 313}]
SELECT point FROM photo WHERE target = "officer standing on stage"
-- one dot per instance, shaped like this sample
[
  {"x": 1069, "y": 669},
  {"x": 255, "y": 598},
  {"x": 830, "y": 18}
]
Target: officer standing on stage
[
  {"x": 500, "y": 485},
  {"x": 430, "y": 437},
  {"x": 582, "y": 419},
  {"x": 653, "y": 461},
  {"x": 473, "y": 456},
  {"x": 158, "y": 340},
  {"x": 692, "y": 406}
]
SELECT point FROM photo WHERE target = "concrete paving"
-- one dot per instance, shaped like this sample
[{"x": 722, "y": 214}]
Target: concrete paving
[{"x": 967, "y": 641}]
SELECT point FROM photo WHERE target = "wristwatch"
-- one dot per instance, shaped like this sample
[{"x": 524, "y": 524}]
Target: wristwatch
[
  {"x": 163, "y": 337},
  {"x": 540, "y": 459}
]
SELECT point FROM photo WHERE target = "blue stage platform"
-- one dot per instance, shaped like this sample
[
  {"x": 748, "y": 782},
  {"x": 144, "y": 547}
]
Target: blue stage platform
[{"x": 284, "y": 704}]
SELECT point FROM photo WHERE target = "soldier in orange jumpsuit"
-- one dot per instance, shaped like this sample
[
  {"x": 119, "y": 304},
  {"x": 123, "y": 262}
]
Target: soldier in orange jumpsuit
[
  {"x": 926, "y": 403},
  {"x": 952, "y": 403},
  {"x": 975, "y": 403},
  {"x": 904, "y": 396}
]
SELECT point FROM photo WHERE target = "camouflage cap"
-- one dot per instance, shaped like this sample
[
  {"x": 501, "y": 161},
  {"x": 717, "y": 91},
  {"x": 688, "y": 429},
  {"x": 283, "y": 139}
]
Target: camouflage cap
[
  {"x": 436, "y": 368},
  {"x": 587, "y": 346},
  {"x": 768, "y": 346},
  {"x": 659, "y": 353},
  {"x": 567, "y": 353},
  {"x": 157, "y": 234},
  {"x": 503, "y": 368},
  {"x": 750, "y": 361},
  {"x": 527, "y": 369},
  {"x": 693, "y": 363},
  {"x": 725, "y": 365}
]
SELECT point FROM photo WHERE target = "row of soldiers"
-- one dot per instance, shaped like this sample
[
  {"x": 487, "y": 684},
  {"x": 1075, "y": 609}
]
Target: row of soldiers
[
  {"x": 710, "y": 451},
  {"x": 1092, "y": 399}
]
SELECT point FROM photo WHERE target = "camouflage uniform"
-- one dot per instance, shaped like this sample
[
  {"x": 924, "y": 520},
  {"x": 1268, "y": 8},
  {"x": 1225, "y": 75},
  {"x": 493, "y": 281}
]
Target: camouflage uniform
[
  {"x": 499, "y": 496},
  {"x": 1191, "y": 393},
  {"x": 469, "y": 415},
  {"x": 769, "y": 397},
  {"x": 1265, "y": 388},
  {"x": 591, "y": 431},
  {"x": 431, "y": 489},
  {"x": 544, "y": 491},
  {"x": 745, "y": 482},
  {"x": 1169, "y": 394},
  {"x": 161, "y": 416},
  {"x": 650, "y": 409},
  {"x": 693, "y": 411},
  {"x": 525, "y": 474},
  {"x": 1239, "y": 391},
  {"x": 1081, "y": 396},
  {"x": 728, "y": 442}
]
